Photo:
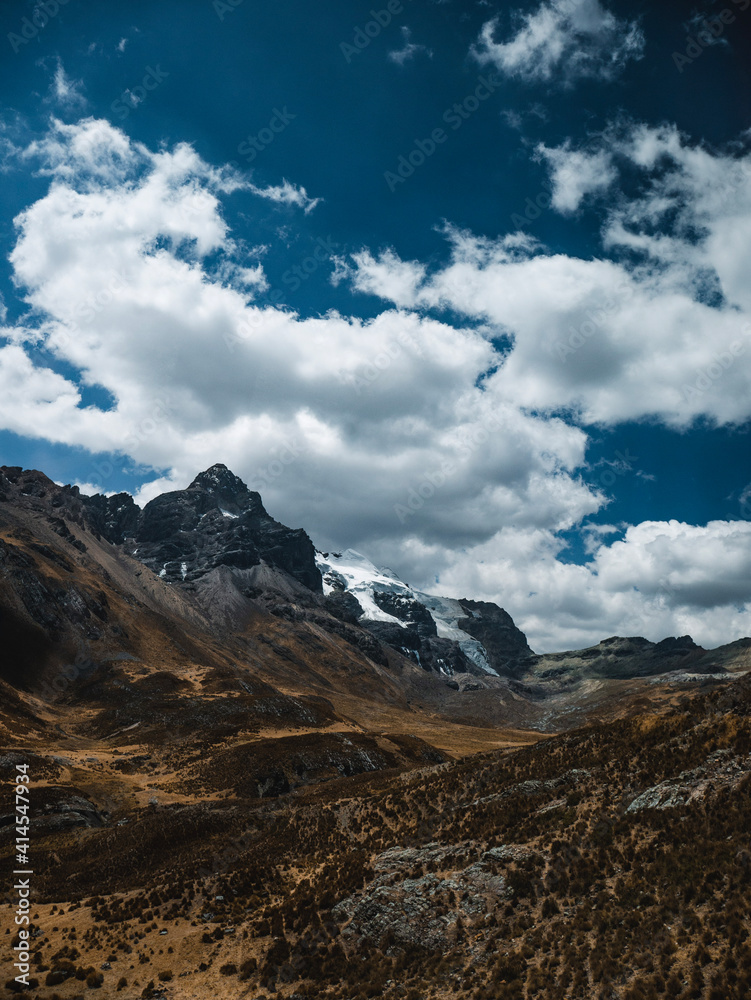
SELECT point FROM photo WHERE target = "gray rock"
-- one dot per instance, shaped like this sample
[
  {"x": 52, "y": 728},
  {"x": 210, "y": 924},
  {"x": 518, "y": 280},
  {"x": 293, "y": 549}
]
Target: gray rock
[
  {"x": 425, "y": 908},
  {"x": 721, "y": 769},
  {"x": 505, "y": 644},
  {"x": 217, "y": 521}
]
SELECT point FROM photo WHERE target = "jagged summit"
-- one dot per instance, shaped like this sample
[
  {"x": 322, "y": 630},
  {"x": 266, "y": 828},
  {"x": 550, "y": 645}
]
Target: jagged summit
[
  {"x": 218, "y": 522},
  {"x": 217, "y": 476},
  {"x": 229, "y": 490}
]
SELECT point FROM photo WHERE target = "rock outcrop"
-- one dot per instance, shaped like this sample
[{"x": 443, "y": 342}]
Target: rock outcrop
[
  {"x": 440, "y": 634},
  {"x": 633, "y": 656},
  {"x": 722, "y": 769},
  {"x": 420, "y": 895}
]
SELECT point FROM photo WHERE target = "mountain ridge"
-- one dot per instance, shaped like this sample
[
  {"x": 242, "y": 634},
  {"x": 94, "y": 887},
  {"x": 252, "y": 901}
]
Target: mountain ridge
[{"x": 219, "y": 561}]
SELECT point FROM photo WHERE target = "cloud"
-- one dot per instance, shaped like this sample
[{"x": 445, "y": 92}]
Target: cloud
[
  {"x": 121, "y": 45},
  {"x": 388, "y": 276},
  {"x": 662, "y": 578},
  {"x": 691, "y": 216},
  {"x": 287, "y": 194},
  {"x": 576, "y": 174},
  {"x": 89, "y": 489},
  {"x": 662, "y": 330},
  {"x": 34, "y": 399},
  {"x": 517, "y": 119},
  {"x": 92, "y": 151},
  {"x": 681, "y": 564},
  {"x": 408, "y": 50},
  {"x": 65, "y": 91},
  {"x": 701, "y": 23},
  {"x": 119, "y": 265},
  {"x": 563, "y": 39},
  {"x": 411, "y": 434}
]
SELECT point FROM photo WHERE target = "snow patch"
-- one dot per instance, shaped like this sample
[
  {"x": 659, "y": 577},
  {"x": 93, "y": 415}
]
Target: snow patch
[
  {"x": 355, "y": 573},
  {"x": 446, "y": 613},
  {"x": 362, "y": 578}
]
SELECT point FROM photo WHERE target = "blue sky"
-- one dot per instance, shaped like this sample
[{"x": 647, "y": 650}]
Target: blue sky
[{"x": 462, "y": 285}]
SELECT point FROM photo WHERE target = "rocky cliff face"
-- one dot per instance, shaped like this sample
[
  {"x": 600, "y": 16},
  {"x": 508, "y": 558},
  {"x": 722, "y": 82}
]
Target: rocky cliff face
[
  {"x": 114, "y": 518},
  {"x": 634, "y": 656},
  {"x": 506, "y": 645},
  {"x": 218, "y": 524},
  {"x": 217, "y": 521}
]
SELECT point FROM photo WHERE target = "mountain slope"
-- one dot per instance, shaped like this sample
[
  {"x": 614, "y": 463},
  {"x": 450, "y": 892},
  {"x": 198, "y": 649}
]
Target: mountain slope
[
  {"x": 610, "y": 862},
  {"x": 84, "y": 624}
]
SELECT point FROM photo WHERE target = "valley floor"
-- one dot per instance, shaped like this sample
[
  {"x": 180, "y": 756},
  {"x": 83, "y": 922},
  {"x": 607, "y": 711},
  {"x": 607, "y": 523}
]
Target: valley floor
[{"x": 611, "y": 862}]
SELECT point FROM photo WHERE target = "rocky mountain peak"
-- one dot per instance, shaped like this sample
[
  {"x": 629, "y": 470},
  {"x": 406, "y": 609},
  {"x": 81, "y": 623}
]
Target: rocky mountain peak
[
  {"x": 218, "y": 522},
  {"x": 228, "y": 490}
]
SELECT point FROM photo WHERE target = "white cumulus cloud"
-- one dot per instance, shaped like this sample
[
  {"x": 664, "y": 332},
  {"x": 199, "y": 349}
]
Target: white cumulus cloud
[
  {"x": 113, "y": 261},
  {"x": 576, "y": 174},
  {"x": 562, "y": 39},
  {"x": 65, "y": 91},
  {"x": 662, "y": 578},
  {"x": 408, "y": 50},
  {"x": 664, "y": 330}
]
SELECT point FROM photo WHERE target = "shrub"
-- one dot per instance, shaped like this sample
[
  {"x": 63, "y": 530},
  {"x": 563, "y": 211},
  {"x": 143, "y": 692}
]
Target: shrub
[
  {"x": 13, "y": 987},
  {"x": 248, "y": 968}
]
